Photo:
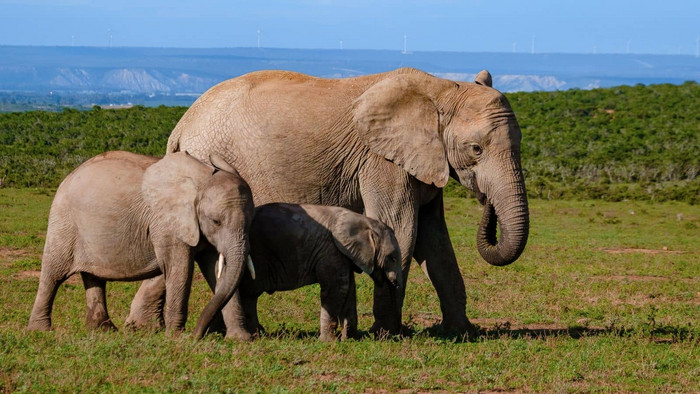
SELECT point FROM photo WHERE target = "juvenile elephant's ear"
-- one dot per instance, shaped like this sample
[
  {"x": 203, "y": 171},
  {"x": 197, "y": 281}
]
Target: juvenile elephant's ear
[
  {"x": 397, "y": 120},
  {"x": 354, "y": 238},
  {"x": 220, "y": 164},
  {"x": 170, "y": 188}
]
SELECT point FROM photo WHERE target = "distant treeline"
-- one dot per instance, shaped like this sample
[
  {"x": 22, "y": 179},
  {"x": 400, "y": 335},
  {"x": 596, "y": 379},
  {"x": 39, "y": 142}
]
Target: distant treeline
[
  {"x": 57, "y": 101},
  {"x": 639, "y": 142}
]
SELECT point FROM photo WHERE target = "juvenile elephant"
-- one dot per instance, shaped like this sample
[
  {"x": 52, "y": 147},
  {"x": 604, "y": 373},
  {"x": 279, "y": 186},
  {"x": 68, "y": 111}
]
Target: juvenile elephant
[
  {"x": 123, "y": 216},
  {"x": 384, "y": 144},
  {"x": 297, "y": 245}
]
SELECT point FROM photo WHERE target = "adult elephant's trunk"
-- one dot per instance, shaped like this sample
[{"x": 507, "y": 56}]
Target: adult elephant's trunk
[
  {"x": 235, "y": 260},
  {"x": 506, "y": 206}
]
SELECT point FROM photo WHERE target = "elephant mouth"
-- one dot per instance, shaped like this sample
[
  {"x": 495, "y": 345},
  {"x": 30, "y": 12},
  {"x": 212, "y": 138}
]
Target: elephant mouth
[
  {"x": 481, "y": 197},
  {"x": 467, "y": 179}
]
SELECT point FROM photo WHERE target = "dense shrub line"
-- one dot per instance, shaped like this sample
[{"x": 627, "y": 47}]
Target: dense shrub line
[
  {"x": 39, "y": 148},
  {"x": 628, "y": 142}
]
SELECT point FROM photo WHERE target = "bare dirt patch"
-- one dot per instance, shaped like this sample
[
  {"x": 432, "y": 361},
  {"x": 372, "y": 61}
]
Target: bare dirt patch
[
  {"x": 632, "y": 278},
  {"x": 424, "y": 319},
  {"x": 28, "y": 274},
  {"x": 13, "y": 254},
  {"x": 639, "y": 250},
  {"x": 74, "y": 280}
]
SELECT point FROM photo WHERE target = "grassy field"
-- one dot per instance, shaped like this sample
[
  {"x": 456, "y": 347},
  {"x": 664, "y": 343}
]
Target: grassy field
[{"x": 606, "y": 297}]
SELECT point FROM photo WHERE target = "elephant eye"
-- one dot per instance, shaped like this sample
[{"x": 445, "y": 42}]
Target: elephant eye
[
  {"x": 476, "y": 149},
  {"x": 216, "y": 222}
]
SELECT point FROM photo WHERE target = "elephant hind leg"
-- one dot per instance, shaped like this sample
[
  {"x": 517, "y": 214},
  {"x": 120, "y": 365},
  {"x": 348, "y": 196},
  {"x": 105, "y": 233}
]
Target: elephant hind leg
[
  {"x": 40, "y": 318},
  {"x": 97, "y": 316}
]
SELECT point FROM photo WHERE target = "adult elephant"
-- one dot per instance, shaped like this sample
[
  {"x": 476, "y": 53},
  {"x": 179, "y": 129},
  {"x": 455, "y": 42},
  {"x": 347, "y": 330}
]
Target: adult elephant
[{"x": 384, "y": 143}]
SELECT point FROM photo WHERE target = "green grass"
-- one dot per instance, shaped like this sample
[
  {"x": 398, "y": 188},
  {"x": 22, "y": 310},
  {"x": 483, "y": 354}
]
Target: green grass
[{"x": 569, "y": 315}]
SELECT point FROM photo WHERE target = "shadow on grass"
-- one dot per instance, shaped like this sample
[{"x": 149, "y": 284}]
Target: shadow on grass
[
  {"x": 655, "y": 333},
  {"x": 658, "y": 334}
]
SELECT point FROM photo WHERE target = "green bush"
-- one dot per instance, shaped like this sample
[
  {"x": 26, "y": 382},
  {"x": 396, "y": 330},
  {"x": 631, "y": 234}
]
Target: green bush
[
  {"x": 40, "y": 148},
  {"x": 628, "y": 142}
]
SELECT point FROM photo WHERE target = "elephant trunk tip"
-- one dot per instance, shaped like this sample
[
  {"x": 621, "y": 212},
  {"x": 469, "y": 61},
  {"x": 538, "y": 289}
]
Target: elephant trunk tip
[{"x": 513, "y": 238}]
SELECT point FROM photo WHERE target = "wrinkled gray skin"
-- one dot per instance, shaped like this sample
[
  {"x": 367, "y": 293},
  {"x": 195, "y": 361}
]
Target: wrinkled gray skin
[
  {"x": 122, "y": 216},
  {"x": 297, "y": 245},
  {"x": 384, "y": 144}
]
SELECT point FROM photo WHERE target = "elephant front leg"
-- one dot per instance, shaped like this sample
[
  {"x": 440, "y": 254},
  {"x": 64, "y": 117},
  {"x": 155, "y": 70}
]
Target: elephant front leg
[
  {"x": 250, "y": 309},
  {"x": 388, "y": 302},
  {"x": 434, "y": 253},
  {"x": 147, "y": 307},
  {"x": 178, "y": 267},
  {"x": 348, "y": 318},
  {"x": 328, "y": 324},
  {"x": 235, "y": 317},
  {"x": 335, "y": 289}
]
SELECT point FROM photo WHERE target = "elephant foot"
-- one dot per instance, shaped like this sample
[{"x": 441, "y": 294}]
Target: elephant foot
[
  {"x": 104, "y": 325},
  {"x": 175, "y": 332},
  {"x": 239, "y": 335},
  {"x": 149, "y": 322},
  {"x": 328, "y": 337},
  {"x": 464, "y": 329},
  {"x": 350, "y": 334},
  {"x": 460, "y": 326},
  {"x": 382, "y": 329},
  {"x": 39, "y": 325}
]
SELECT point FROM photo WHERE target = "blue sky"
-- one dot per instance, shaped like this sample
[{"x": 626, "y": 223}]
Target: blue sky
[{"x": 566, "y": 26}]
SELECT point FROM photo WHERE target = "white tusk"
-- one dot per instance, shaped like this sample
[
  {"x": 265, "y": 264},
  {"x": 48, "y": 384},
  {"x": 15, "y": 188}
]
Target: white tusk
[
  {"x": 219, "y": 266},
  {"x": 251, "y": 268}
]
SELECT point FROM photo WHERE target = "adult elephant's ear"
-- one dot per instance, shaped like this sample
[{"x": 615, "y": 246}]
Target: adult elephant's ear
[
  {"x": 397, "y": 120},
  {"x": 483, "y": 78},
  {"x": 356, "y": 240},
  {"x": 170, "y": 189}
]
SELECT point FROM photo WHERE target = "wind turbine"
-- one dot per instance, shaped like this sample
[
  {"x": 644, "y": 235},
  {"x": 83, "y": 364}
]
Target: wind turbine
[
  {"x": 109, "y": 33},
  {"x": 404, "y": 43},
  {"x": 259, "y": 38},
  {"x": 533, "y": 45}
]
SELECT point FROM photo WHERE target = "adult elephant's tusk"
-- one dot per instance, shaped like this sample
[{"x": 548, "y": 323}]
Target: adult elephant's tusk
[
  {"x": 219, "y": 266},
  {"x": 251, "y": 268}
]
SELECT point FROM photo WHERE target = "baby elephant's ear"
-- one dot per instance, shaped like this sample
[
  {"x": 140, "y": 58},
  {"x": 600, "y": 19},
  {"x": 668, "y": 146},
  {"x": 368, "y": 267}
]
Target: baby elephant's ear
[
  {"x": 354, "y": 237},
  {"x": 170, "y": 191}
]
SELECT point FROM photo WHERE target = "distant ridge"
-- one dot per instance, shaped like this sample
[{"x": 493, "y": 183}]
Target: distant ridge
[{"x": 170, "y": 71}]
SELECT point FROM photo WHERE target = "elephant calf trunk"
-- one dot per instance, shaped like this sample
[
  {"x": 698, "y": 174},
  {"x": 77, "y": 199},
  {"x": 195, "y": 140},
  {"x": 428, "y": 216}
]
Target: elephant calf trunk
[{"x": 225, "y": 288}]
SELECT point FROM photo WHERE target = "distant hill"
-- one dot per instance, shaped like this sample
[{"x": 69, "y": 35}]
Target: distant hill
[{"x": 171, "y": 71}]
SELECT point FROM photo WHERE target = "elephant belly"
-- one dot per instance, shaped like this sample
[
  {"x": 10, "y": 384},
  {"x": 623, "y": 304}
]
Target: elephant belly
[
  {"x": 115, "y": 271},
  {"x": 112, "y": 255}
]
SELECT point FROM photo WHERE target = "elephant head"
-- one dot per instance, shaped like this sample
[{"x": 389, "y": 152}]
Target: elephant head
[
  {"x": 190, "y": 198},
  {"x": 435, "y": 128},
  {"x": 370, "y": 245}
]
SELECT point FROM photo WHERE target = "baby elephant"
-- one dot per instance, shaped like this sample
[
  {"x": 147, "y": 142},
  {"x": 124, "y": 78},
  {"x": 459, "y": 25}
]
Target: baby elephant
[
  {"x": 297, "y": 245},
  {"x": 122, "y": 216}
]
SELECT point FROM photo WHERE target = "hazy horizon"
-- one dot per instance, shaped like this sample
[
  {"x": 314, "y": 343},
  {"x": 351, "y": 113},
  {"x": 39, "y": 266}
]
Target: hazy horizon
[
  {"x": 408, "y": 53},
  {"x": 476, "y": 26}
]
